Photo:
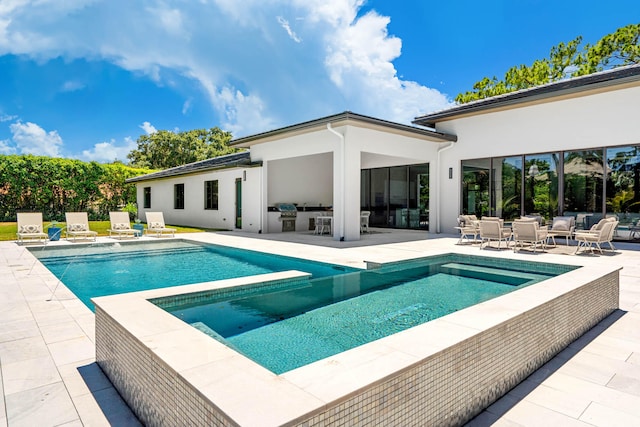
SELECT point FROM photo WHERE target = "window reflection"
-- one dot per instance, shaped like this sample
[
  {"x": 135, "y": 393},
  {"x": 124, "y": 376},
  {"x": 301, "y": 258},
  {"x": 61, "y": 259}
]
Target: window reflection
[
  {"x": 507, "y": 183},
  {"x": 583, "y": 178},
  {"x": 541, "y": 184},
  {"x": 623, "y": 184},
  {"x": 475, "y": 187}
]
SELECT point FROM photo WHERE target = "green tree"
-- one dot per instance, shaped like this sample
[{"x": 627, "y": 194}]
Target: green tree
[
  {"x": 565, "y": 60},
  {"x": 166, "y": 149}
]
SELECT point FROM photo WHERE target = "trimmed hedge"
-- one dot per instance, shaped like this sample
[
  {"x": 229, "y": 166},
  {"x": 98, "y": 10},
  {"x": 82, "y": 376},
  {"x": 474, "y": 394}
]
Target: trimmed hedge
[{"x": 54, "y": 186}]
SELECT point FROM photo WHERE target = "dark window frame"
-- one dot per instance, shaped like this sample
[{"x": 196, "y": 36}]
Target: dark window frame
[
  {"x": 178, "y": 196},
  {"x": 147, "y": 198},
  {"x": 211, "y": 191}
]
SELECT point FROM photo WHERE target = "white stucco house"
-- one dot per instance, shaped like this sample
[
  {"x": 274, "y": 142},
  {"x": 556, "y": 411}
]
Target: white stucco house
[{"x": 566, "y": 148}]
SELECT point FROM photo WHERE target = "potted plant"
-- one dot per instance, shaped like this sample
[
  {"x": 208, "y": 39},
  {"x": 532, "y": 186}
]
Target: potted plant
[
  {"x": 137, "y": 225},
  {"x": 54, "y": 231}
]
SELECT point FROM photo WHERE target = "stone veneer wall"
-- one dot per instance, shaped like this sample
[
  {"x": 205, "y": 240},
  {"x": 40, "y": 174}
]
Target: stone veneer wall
[{"x": 445, "y": 389}]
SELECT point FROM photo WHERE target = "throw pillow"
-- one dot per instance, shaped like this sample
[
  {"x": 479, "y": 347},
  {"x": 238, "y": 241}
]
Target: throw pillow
[
  {"x": 76, "y": 227},
  {"x": 561, "y": 224},
  {"x": 30, "y": 228},
  {"x": 121, "y": 226}
]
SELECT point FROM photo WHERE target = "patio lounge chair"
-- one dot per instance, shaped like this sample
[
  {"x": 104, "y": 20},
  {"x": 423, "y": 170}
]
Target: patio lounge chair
[
  {"x": 563, "y": 226},
  {"x": 78, "y": 226},
  {"x": 529, "y": 232},
  {"x": 493, "y": 230},
  {"x": 155, "y": 225},
  {"x": 364, "y": 221},
  {"x": 469, "y": 227},
  {"x": 600, "y": 233},
  {"x": 30, "y": 227},
  {"x": 120, "y": 225}
]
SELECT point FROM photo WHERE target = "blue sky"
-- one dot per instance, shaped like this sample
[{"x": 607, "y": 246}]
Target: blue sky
[{"x": 85, "y": 78}]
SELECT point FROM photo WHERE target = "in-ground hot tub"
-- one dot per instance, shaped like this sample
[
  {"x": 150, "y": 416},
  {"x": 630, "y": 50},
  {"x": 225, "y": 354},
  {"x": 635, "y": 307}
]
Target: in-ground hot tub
[{"x": 441, "y": 372}]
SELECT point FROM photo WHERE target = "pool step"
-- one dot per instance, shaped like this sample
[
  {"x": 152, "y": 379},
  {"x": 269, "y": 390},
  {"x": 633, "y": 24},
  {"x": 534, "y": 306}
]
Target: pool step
[
  {"x": 493, "y": 274},
  {"x": 213, "y": 334}
]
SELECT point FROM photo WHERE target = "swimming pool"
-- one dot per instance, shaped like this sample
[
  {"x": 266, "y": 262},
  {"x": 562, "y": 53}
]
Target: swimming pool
[
  {"x": 113, "y": 268},
  {"x": 283, "y": 329},
  {"x": 448, "y": 369}
]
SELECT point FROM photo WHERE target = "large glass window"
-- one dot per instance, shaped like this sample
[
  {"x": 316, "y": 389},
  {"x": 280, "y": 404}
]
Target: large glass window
[
  {"x": 211, "y": 195},
  {"x": 507, "y": 183},
  {"x": 583, "y": 186},
  {"x": 397, "y": 196},
  {"x": 475, "y": 187},
  {"x": 541, "y": 185},
  {"x": 178, "y": 196},
  {"x": 623, "y": 184}
]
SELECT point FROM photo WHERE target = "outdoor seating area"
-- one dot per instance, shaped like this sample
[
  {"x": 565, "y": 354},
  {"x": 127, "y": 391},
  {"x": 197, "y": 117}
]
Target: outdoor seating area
[
  {"x": 530, "y": 232},
  {"x": 30, "y": 228}
]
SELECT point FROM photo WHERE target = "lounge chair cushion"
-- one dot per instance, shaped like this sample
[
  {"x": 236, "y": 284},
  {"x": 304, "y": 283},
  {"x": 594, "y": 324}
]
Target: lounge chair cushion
[
  {"x": 121, "y": 226},
  {"x": 527, "y": 219},
  {"x": 30, "y": 228},
  {"x": 561, "y": 223},
  {"x": 76, "y": 227},
  {"x": 156, "y": 225}
]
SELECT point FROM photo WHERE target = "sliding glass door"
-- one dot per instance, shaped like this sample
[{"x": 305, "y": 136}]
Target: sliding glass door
[{"x": 397, "y": 197}]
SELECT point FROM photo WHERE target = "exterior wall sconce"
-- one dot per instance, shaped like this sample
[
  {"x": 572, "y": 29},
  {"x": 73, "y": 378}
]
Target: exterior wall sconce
[
  {"x": 450, "y": 173},
  {"x": 244, "y": 175}
]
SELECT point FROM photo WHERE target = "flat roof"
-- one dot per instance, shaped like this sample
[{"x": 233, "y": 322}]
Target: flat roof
[
  {"x": 227, "y": 161},
  {"x": 576, "y": 86},
  {"x": 344, "y": 118}
]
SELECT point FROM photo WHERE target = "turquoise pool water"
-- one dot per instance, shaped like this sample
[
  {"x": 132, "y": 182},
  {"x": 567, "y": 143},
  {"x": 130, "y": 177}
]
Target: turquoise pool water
[
  {"x": 113, "y": 268},
  {"x": 288, "y": 328}
]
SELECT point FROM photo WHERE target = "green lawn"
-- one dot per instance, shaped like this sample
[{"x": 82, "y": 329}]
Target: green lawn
[{"x": 8, "y": 229}]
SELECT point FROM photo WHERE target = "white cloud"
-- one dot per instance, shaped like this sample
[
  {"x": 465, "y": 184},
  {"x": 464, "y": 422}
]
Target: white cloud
[
  {"x": 148, "y": 128},
  {"x": 234, "y": 50},
  {"x": 5, "y": 148},
  {"x": 7, "y": 118},
  {"x": 72, "y": 86},
  {"x": 32, "y": 139},
  {"x": 285, "y": 24},
  {"x": 186, "y": 106},
  {"x": 107, "y": 152}
]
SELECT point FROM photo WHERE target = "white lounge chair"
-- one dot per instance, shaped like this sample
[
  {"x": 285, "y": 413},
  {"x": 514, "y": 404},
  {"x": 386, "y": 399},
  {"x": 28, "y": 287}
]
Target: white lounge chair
[
  {"x": 529, "y": 232},
  {"x": 493, "y": 230},
  {"x": 563, "y": 226},
  {"x": 600, "y": 233},
  {"x": 121, "y": 225},
  {"x": 469, "y": 227},
  {"x": 30, "y": 227},
  {"x": 364, "y": 221},
  {"x": 155, "y": 225},
  {"x": 78, "y": 226}
]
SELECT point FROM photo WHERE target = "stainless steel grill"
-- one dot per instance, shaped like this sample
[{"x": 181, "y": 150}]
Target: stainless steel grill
[{"x": 288, "y": 215}]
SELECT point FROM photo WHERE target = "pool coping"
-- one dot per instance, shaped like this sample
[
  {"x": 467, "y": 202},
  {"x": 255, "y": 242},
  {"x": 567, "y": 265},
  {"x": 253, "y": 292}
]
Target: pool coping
[{"x": 233, "y": 383}]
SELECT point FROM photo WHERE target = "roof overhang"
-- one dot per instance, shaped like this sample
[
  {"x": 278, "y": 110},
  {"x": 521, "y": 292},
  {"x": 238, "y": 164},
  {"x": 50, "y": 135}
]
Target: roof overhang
[
  {"x": 604, "y": 81},
  {"x": 342, "y": 119},
  {"x": 229, "y": 161}
]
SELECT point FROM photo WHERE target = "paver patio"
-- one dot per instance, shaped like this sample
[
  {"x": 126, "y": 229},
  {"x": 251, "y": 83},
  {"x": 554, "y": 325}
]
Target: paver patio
[{"x": 49, "y": 376}]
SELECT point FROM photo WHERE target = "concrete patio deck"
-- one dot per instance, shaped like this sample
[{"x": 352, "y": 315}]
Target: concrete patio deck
[{"x": 49, "y": 376}]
